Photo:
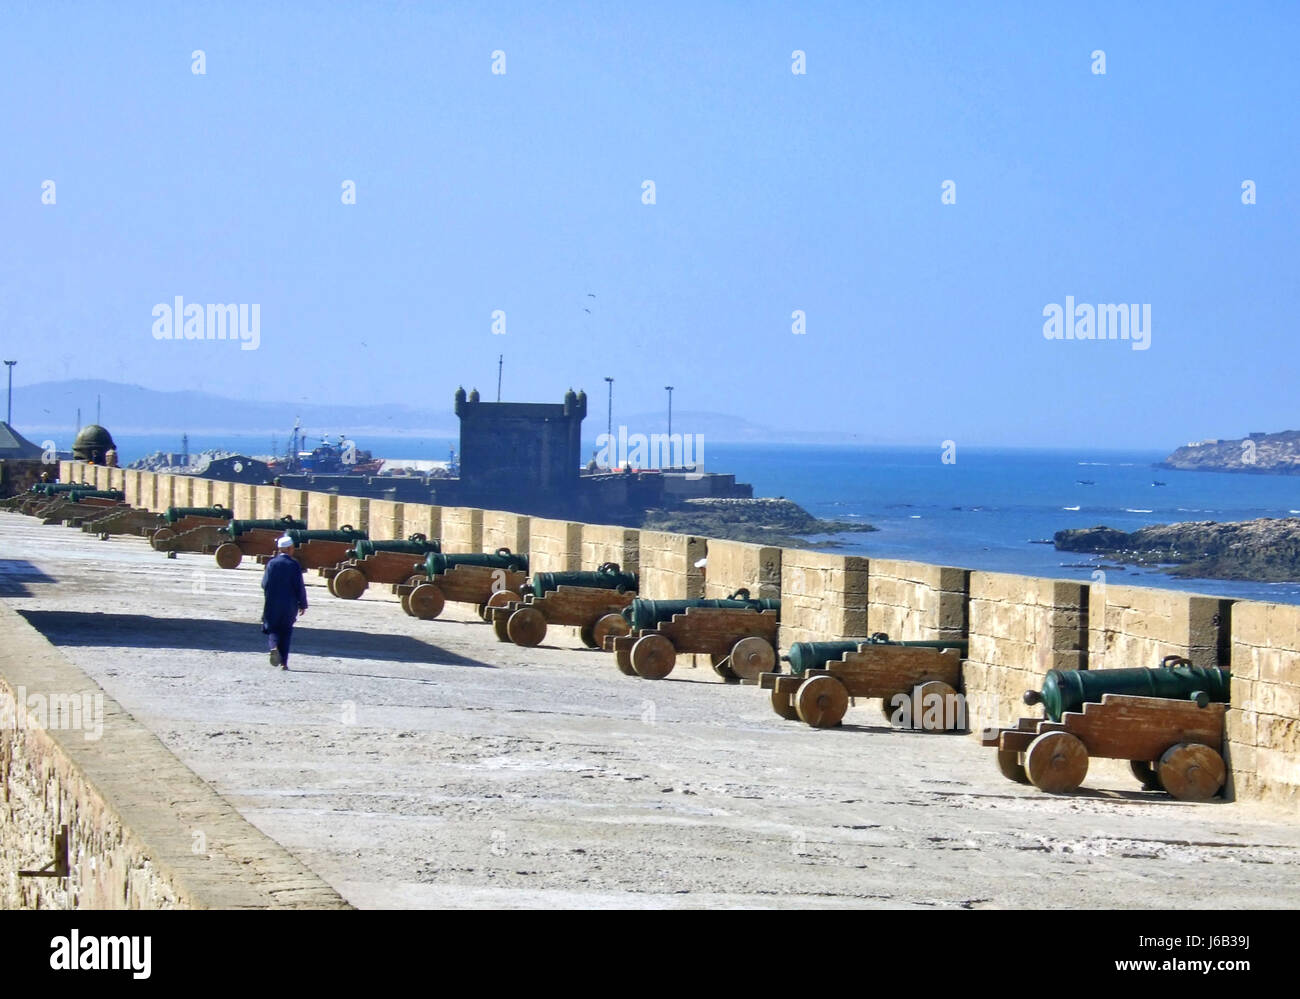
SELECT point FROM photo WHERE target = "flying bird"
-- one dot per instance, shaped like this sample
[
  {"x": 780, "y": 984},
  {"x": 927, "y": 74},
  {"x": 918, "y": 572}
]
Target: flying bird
[
  {"x": 588, "y": 311},
  {"x": 590, "y": 295}
]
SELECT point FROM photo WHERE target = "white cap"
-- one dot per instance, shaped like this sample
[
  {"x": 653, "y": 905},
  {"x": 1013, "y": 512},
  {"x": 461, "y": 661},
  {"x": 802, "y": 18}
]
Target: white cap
[
  {"x": 701, "y": 563},
  {"x": 284, "y": 541}
]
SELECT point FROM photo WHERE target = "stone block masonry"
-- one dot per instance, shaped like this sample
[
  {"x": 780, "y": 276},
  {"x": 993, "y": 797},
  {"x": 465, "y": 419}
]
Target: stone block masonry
[
  {"x": 386, "y": 520},
  {"x": 1020, "y": 627},
  {"x": 554, "y": 546},
  {"x": 668, "y": 569},
  {"x": 823, "y": 596},
  {"x": 734, "y": 565},
  {"x": 506, "y": 530},
  {"x": 913, "y": 601},
  {"x": 1139, "y": 626},
  {"x": 1263, "y": 726},
  {"x": 603, "y": 543},
  {"x": 462, "y": 529}
]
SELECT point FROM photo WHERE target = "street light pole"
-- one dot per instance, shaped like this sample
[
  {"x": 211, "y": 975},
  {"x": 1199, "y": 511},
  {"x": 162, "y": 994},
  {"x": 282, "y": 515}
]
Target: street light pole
[
  {"x": 610, "y": 423},
  {"x": 670, "y": 410},
  {"x": 9, "y": 416}
]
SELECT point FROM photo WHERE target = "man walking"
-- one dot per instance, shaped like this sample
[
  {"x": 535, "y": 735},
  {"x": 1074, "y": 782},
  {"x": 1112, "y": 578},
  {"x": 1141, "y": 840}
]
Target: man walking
[{"x": 286, "y": 600}]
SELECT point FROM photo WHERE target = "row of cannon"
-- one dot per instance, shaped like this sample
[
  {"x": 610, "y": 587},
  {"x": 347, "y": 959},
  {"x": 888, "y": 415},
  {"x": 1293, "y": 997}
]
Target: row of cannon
[{"x": 1167, "y": 722}]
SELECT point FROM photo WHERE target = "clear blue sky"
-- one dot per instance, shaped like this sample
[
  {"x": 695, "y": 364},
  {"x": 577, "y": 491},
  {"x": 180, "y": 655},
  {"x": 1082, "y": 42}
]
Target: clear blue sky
[{"x": 775, "y": 192}]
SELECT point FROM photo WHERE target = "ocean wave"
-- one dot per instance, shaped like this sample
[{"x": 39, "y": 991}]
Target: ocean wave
[
  {"x": 1074, "y": 509},
  {"x": 1129, "y": 509}
]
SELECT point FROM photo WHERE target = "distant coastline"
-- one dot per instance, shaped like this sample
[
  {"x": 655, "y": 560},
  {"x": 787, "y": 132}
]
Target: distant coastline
[{"x": 1255, "y": 454}]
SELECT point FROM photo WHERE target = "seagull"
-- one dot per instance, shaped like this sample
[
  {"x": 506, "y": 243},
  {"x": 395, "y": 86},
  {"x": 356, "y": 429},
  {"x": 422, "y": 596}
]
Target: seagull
[
  {"x": 587, "y": 311},
  {"x": 590, "y": 295}
]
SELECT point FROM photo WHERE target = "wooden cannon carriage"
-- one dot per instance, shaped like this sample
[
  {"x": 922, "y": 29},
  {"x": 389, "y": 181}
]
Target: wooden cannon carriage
[
  {"x": 1168, "y": 724},
  {"x": 737, "y": 634},
  {"x": 179, "y": 520},
  {"x": 123, "y": 520},
  {"x": 71, "y": 508},
  {"x": 463, "y": 578},
  {"x": 390, "y": 562},
  {"x": 574, "y": 599},
  {"x": 45, "y": 495},
  {"x": 917, "y": 682},
  {"x": 246, "y": 537},
  {"x": 318, "y": 549}
]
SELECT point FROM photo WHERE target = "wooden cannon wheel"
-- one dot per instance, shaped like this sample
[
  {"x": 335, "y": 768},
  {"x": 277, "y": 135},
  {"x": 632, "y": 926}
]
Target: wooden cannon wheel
[
  {"x": 926, "y": 695},
  {"x": 499, "y": 620},
  {"x": 417, "y": 579},
  {"x": 1011, "y": 767},
  {"x": 1146, "y": 774},
  {"x": 526, "y": 627},
  {"x": 498, "y": 599},
  {"x": 426, "y": 601},
  {"x": 751, "y": 656},
  {"x": 608, "y": 624},
  {"x": 1191, "y": 772},
  {"x": 783, "y": 705},
  {"x": 405, "y": 601},
  {"x": 721, "y": 663},
  {"x": 821, "y": 701},
  {"x": 349, "y": 583},
  {"x": 329, "y": 585},
  {"x": 623, "y": 660},
  {"x": 229, "y": 555},
  {"x": 1056, "y": 762},
  {"x": 159, "y": 536},
  {"x": 653, "y": 657},
  {"x": 588, "y": 636}
]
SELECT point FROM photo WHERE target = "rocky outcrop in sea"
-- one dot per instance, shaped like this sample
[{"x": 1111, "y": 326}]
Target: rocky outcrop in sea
[
  {"x": 1263, "y": 550},
  {"x": 765, "y": 521}
]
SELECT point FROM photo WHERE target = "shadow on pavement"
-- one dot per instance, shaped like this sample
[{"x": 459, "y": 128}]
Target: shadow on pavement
[
  {"x": 144, "y": 631},
  {"x": 16, "y": 573}
]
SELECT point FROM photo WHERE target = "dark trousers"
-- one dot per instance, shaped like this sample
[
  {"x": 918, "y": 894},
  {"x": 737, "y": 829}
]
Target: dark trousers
[{"x": 279, "y": 638}]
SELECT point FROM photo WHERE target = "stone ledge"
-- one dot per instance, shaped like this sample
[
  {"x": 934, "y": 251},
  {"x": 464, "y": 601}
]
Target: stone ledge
[{"x": 132, "y": 808}]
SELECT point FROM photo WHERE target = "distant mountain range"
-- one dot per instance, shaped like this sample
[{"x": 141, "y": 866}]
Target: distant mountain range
[
  {"x": 50, "y": 407},
  {"x": 1259, "y": 453}
]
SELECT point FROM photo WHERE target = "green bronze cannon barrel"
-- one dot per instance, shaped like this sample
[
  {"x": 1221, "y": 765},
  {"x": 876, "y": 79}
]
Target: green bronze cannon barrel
[
  {"x": 644, "y": 614},
  {"x": 607, "y": 577},
  {"x": 345, "y": 533},
  {"x": 815, "y": 655},
  {"x": 237, "y": 527},
  {"x": 436, "y": 563},
  {"x": 77, "y": 495},
  {"x": 175, "y": 513},
  {"x": 1176, "y": 678},
  {"x": 416, "y": 544},
  {"x": 54, "y": 488}
]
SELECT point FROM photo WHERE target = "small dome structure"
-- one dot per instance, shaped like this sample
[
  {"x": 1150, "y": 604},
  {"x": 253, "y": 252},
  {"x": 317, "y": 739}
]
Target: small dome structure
[{"x": 92, "y": 444}]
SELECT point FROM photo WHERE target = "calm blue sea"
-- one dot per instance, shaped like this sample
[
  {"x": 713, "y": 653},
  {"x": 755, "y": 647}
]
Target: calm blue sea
[{"x": 981, "y": 512}]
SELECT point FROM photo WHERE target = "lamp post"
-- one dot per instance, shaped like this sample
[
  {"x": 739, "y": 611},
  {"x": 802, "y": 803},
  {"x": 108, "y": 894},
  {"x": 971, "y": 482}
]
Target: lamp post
[
  {"x": 609, "y": 428},
  {"x": 9, "y": 416},
  {"x": 670, "y": 423}
]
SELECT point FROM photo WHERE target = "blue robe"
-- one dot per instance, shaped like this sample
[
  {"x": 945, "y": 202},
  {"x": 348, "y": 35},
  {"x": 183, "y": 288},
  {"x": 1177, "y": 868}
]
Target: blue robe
[{"x": 286, "y": 594}]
